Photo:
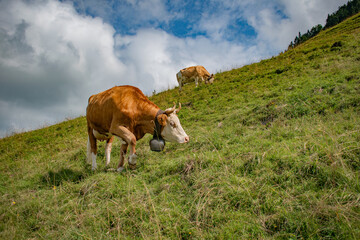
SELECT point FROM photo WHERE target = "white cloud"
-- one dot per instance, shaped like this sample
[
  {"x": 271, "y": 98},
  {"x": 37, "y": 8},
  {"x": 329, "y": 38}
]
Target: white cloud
[
  {"x": 277, "y": 25},
  {"x": 275, "y": 22},
  {"x": 215, "y": 25},
  {"x": 51, "y": 60}
]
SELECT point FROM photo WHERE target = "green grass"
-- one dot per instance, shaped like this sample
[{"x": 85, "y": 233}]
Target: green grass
[{"x": 274, "y": 152}]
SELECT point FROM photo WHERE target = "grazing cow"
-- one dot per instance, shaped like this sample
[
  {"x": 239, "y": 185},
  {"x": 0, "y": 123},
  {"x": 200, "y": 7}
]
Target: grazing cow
[
  {"x": 194, "y": 73},
  {"x": 125, "y": 112}
]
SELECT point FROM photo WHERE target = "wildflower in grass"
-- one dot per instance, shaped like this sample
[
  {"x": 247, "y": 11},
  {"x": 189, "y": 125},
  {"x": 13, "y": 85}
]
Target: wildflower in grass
[
  {"x": 54, "y": 187},
  {"x": 13, "y": 203}
]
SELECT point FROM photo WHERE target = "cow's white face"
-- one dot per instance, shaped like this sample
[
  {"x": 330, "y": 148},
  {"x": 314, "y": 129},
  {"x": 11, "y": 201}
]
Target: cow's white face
[
  {"x": 211, "y": 78},
  {"x": 172, "y": 130}
]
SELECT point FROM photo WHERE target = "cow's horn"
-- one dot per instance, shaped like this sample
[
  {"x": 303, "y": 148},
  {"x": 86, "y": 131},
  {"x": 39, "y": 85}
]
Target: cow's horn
[
  {"x": 170, "y": 110},
  {"x": 178, "y": 110}
]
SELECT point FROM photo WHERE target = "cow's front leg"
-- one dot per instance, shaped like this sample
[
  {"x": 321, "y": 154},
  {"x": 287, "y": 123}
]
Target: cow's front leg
[
  {"x": 132, "y": 161},
  {"x": 132, "y": 157},
  {"x": 122, "y": 157},
  {"x": 108, "y": 149},
  {"x": 130, "y": 139},
  {"x": 196, "y": 81}
]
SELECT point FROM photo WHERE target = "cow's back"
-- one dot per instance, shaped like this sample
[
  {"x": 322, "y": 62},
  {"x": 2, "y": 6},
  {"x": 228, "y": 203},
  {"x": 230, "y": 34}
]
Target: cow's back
[
  {"x": 189, "y": 72},
  {"x": 119, "y": 103},
  {"x": 202, "y": 72},
  {"x": 195, "y": 71}
]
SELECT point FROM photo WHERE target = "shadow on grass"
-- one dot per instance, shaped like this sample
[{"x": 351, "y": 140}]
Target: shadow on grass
[{"x": 64, "y": 175}]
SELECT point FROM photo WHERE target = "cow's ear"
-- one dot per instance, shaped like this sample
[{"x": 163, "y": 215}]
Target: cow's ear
[{"x": 162, "y": 119}]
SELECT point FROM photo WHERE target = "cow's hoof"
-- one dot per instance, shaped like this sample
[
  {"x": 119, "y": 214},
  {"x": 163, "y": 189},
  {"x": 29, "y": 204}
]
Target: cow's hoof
[
  {"x": 132, "y": 159},
  {"x": 120, "y": 169}
]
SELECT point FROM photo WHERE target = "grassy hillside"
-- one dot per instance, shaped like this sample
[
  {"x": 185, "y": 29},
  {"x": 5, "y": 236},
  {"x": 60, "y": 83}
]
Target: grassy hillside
[{"x": 274, "y": 152}]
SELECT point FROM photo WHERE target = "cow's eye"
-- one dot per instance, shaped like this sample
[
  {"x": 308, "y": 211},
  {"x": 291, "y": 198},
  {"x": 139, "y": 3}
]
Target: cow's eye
[{"x": 172, "y": 124}]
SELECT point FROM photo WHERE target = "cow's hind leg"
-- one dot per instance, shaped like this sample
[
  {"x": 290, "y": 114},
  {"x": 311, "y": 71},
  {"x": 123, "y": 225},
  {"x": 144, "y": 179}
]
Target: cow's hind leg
[
  {"x": 92, "y": 149},
  {"x": 88, "y": 158},
  {"x": 108, "y": 147},
  {"x": 130, "y": 139},
  {"x": 180, "y": 83},
  {"x": 179, "y": 79}
]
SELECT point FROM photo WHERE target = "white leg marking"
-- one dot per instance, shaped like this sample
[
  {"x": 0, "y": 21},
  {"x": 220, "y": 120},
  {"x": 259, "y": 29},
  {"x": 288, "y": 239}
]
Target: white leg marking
[
  {"x": 108, "y": 152},
  {"x": 88, "y": 158},
  {"x": 93, "y": 157},
  {"x": 132, "y": 159}
]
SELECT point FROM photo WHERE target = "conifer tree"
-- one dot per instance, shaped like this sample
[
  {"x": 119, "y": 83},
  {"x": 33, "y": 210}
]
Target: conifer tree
[{"x": 345, "y": 11}]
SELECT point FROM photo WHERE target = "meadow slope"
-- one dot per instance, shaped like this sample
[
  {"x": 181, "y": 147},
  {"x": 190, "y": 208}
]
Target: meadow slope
[{"x": 274, "y": 152}]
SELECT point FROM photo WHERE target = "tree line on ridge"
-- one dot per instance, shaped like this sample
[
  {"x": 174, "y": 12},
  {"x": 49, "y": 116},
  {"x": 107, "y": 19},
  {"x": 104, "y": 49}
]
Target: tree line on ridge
[{"x": 347, "y": 10}]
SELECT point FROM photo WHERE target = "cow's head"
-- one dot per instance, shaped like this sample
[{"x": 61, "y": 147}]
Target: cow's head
[
  {"x": 171, "y": 129},
  {"x": 211, "y": 78}
]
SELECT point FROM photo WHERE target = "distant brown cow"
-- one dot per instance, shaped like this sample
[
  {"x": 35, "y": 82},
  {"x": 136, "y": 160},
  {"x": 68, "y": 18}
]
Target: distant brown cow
[
  {"x": 125, "y": 112},
  {"x": 194, "y": 73}
]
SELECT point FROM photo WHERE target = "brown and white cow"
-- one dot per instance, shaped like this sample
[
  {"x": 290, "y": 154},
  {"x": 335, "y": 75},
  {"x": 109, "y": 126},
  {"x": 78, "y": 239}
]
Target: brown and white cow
[
  {"x": 196, "y": 73},
  {"x": 125, "y": 112}
]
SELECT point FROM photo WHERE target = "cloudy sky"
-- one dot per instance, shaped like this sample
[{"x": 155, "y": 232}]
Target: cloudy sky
[{"x": 55, "y": 54}]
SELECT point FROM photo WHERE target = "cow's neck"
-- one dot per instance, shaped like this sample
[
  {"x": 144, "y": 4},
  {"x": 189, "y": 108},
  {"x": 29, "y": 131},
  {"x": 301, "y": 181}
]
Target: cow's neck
[
  {"x": 146, "y": 123},
  {"x": 157, "y": 128}
]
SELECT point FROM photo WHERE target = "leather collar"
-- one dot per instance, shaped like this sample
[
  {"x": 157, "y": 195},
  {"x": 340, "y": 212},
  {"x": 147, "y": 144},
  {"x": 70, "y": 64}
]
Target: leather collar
[{"x": 157, "y": 129}]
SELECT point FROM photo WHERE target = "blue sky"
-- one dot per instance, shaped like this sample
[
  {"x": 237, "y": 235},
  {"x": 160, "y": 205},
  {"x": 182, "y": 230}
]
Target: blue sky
[
  {"x": 55, "y": 54},
  {"x": 178, "y": 18}
]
